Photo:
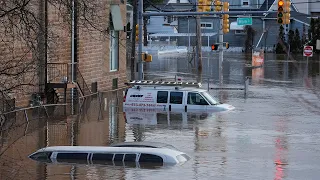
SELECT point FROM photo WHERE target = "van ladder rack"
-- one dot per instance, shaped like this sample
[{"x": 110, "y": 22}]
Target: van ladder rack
[{"x": 164, "y": 83}]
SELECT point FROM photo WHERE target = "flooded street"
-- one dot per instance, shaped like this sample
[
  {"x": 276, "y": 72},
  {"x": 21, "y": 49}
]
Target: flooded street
[{"x": 273, "y": 133}]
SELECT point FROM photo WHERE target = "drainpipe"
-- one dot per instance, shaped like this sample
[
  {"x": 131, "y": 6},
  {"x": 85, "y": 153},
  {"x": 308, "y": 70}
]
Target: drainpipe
[
  {"x": 72, "y": 41},
  {"x": 73, "y": 49}
]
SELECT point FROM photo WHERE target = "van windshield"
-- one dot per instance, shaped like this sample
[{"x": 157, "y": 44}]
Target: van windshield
[{"x": 209, "y": 98}]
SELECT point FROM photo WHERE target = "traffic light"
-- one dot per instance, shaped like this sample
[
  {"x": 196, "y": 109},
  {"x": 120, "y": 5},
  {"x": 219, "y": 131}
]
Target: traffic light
[
  {"x": 217, "y": 5},
  {"x": 204, "y": 5},
  {"x": 225, "y": 23},
  {"x": 280, "y": 11},
  {"x": 286, "y": 15},
  {"x": 214, "y": 47},
  {"x": 227, "y": 45},
  {"x": 146, "y": 57},
  {"x": 201, "y": 5},
  {"x": 286, "y": 18},
  {"x": 225, "y": 6},
  {"x": 137, "y": 32}
]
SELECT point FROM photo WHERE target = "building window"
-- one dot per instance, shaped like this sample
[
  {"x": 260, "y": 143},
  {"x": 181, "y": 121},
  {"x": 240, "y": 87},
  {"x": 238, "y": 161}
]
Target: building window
[
  {"x": 114, "y": 50},
  {"x": 245, "y": 3},
  {"x": 239, "y": 32},
  {"x": 205, "y": 25}
]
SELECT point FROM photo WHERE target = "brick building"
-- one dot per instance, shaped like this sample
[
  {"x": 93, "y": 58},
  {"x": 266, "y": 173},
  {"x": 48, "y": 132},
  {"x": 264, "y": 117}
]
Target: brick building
[{"x": 86, "y": 49}]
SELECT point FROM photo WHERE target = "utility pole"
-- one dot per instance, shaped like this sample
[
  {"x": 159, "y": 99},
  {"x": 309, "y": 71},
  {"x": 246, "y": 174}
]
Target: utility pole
[
  {"x": 140, "y": 20},
  {"x": 198, "y": 56},
  {"x": 220, "y": 51},
  {"x": 198, "y": 47},
  {"x": 133, "y": 40}
]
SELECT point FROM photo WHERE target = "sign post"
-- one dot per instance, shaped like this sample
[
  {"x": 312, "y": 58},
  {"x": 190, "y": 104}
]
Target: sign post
[
  {"x": 318, "y": 48},
  {"x": 308, "y": 51}
]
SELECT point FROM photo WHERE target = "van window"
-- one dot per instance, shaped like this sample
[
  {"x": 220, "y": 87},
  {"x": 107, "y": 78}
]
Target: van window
[
  {"x": 72, "y": 157},
  {"x": 176, "y": 97},
  {"x": 118, "y": 157},
  {"x": 150, "y": 158},
  {"x": 196, "y": 99},
  {"x": 162, "y": 97},
  {"x": 130, "y": 157}
]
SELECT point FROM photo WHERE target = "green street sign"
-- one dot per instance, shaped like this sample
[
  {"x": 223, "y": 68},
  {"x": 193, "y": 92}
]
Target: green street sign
[{"x": 244, "y": 21}]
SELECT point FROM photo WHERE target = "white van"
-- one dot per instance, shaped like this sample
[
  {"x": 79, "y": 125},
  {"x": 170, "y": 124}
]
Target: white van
[{"x": 171, "y": 96}]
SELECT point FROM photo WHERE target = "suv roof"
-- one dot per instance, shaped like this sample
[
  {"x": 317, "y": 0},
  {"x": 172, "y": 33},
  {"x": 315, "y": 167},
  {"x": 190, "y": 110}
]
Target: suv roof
[{"x": 143, "y": 144}]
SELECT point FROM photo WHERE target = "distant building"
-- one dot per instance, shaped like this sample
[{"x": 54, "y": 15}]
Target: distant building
[{"x": 265, "y": 25}]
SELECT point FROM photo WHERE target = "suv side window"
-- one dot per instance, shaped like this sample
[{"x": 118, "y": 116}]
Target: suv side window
[
  {"x": 130, "y": 157},
  {"x": 72, "y": 157},
  {"x": 176, "y": 97},
  {"x": 196, "y": 99},
  {"x": 150, "y": 158},
  {"x": 162, "y": 97}
]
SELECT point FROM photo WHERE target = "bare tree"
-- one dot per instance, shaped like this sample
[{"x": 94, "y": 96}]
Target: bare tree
[{"x": 26, "y": 41}]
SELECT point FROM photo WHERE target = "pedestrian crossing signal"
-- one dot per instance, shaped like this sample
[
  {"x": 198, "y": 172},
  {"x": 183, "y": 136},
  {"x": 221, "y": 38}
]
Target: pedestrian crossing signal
[{"x": 214, "y": 47}]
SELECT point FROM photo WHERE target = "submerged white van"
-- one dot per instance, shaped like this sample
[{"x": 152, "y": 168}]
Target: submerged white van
[{"x": 171, "y": 96}]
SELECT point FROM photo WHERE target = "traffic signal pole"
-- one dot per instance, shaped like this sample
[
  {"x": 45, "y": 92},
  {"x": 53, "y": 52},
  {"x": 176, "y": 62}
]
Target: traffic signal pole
[
  {"x": 221, "y": 51},
  {"x": 140, "y": 21},
  {"x": 203, "y": 13}
]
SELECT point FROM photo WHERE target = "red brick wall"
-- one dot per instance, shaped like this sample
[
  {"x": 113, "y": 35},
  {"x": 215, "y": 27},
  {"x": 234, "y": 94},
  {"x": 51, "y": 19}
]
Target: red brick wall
[
  {"x": 93, "y": 49},
  {"x": 94, "y": 54}
]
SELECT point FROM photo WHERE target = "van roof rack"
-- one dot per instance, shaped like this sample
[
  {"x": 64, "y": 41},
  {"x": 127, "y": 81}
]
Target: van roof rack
[{"x": 164, "y": 83}]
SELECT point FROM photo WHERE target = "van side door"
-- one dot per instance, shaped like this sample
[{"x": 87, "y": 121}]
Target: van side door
[{"x": 196, "y": 102}]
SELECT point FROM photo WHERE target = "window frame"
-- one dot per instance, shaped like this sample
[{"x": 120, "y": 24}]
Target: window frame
[
  {"x": 114, "y": 51},
  {"x": 205, "y": 25}
]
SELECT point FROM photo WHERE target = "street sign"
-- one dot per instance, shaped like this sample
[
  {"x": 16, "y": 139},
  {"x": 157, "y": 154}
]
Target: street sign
[
  {"x": 244, "y": 21},
  {"x": 308, "y": 51}
]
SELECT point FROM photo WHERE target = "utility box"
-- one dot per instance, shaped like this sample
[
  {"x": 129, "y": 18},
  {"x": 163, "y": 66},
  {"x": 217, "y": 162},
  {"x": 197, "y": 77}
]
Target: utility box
[{"x": 318, "y": 44}]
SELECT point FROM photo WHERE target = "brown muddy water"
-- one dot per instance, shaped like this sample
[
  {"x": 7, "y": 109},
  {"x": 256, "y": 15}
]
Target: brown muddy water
[{"x": 272, "y": 134}]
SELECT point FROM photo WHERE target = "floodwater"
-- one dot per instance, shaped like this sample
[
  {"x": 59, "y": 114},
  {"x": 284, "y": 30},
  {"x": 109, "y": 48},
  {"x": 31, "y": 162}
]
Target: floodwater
[{"x": 272, "y": 134}]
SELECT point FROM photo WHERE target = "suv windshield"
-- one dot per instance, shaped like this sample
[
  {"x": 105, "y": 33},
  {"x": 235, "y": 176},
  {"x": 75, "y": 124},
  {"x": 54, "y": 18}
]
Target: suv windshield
[{"x": 209, "y": 98}]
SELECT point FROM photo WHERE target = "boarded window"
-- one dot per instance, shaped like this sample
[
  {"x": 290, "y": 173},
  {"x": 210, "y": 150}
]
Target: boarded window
[
  {"x": 176, "y": 97},
  {"x": 162, "y": 97}
]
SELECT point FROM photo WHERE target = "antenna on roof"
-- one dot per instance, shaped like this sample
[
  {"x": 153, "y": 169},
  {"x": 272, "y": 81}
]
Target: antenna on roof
[{"x": 164, "y": 83}]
